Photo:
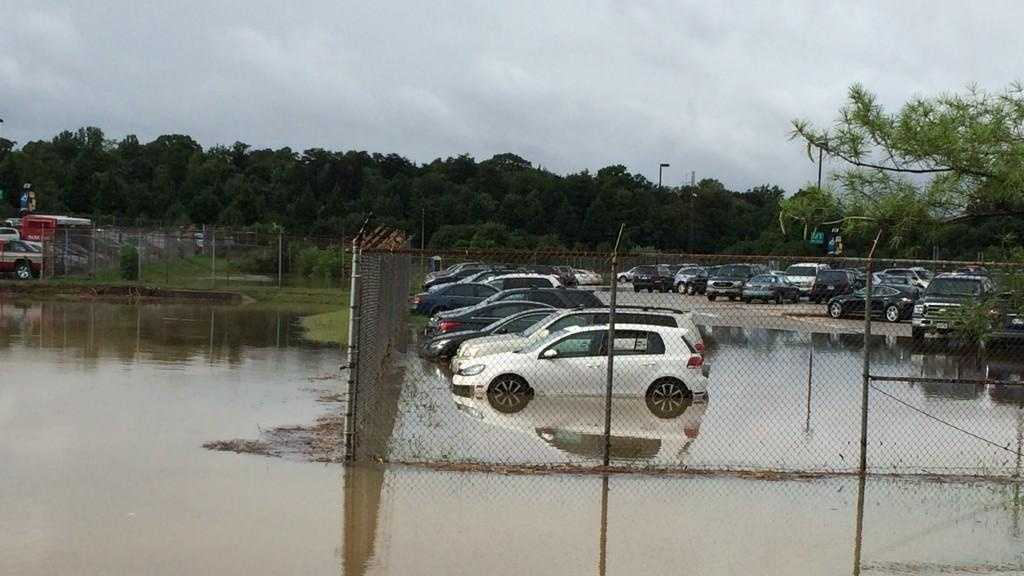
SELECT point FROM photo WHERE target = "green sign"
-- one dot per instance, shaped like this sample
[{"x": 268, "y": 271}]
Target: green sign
[{"x": 818, "y": 238}]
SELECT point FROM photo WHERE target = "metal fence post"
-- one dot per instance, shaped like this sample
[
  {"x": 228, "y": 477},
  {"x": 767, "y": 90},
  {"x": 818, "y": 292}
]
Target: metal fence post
[
  {"x": 866, "y": 377},
  {"x": 353, "y": 357},
  {"x": 138, "y": 253},
  {"x": 213, "y": 256},
  {"x": 280, "y": 264},
  {"x": 92, "y": 253},
  {"x": 611, "y": 354}
]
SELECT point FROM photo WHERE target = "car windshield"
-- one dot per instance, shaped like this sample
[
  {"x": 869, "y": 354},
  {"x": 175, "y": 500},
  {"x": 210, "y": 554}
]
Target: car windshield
[
  {"x": 543, "y": 341},
  {"x": 644, "y": 270},
  {"x": 954, "y": 287},
  {"x": 689, "y": 271},
  {"x": 763, "y": 279},
  {"x": 801, "y": 271},
  {"x": 535, "y": 327}
]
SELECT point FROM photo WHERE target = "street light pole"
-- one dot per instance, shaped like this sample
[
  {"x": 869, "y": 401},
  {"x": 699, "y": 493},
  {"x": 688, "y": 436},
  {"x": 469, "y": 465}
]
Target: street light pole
[{"x": 661, "y": 167}]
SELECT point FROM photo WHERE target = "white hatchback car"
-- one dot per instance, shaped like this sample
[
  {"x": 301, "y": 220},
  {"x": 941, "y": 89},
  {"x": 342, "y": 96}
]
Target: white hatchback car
[{"x": 651, "y": 362}]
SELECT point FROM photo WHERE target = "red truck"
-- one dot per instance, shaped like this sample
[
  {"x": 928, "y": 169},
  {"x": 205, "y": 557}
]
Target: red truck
[{"x": 39, "y": 227}]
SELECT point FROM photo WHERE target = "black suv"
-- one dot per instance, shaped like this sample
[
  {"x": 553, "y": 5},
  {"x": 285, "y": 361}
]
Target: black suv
[
  {"x": 829, "y": 283},
  {"x": 938, "y": 310},
  {"x": 730, "y": 279},
  {"x": 653, "y": 278}
]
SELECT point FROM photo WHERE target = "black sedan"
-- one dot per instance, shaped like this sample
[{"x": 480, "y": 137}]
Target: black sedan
[
  {"x": 653, "y": 278},
  {"x": 444, "y": 346},
  {"x": 893, "y": 303},
  {"x": 476, "y": 317},
  {"x": 770, "y": 288}
]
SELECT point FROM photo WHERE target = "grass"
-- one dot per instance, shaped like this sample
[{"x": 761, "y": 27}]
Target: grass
[{"x": 327, "y": 327}]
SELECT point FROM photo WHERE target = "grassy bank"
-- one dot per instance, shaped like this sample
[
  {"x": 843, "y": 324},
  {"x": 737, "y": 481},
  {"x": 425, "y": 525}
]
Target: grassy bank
[{"x": 327, "y": 327}]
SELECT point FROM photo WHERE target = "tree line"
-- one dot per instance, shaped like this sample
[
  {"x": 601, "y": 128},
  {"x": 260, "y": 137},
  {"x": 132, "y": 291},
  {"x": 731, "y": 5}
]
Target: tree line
[{"x": 458, "y": 202}]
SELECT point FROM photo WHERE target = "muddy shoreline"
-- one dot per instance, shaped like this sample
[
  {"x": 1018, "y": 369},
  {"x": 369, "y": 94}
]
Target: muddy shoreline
[{"x": 115, "y": 293}]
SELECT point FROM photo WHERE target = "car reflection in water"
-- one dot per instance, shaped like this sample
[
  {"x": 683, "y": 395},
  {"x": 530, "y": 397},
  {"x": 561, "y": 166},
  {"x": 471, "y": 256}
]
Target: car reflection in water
[{"x": 641, "y": 429}]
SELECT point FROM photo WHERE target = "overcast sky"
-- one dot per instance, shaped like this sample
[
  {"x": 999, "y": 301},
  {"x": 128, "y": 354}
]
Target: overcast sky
[{"x": 706, "y": 86}]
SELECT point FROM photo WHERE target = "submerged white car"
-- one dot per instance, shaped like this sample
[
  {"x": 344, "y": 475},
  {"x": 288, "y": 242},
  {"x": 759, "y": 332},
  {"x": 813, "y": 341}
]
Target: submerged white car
[
  {"x": 479, "y": 347},
  {"x": 656, "y": 363}
]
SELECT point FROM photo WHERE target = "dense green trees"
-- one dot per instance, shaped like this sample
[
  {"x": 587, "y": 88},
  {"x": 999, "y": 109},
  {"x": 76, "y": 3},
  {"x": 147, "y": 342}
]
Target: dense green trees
[{"x": 501, "y": 202}]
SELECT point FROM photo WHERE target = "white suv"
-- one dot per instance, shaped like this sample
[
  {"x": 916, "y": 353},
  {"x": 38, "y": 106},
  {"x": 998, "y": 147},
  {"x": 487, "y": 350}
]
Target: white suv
[
  {"x": 656, "y": 363},
  {"x": 486, "y": 345},
  {"x": 509, "y": 281},
  {"x": 803, "y": 275}
]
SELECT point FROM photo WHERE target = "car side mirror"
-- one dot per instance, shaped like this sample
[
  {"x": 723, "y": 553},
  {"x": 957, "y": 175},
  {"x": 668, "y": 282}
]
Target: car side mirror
[{"x": 549, "y": 354}]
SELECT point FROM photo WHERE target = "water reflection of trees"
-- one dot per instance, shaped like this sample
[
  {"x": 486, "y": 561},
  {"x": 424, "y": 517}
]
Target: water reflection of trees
[{"x": 162, "y": 332}]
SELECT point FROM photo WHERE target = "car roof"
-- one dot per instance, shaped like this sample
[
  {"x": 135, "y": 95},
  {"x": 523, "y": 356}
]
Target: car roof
[
  {"x": 643, "y": 327},
  {"x": 649, "y": 310}
]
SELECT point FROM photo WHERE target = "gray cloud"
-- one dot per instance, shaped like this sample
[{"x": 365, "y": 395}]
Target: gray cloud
[{"x": 710, "y": 87}]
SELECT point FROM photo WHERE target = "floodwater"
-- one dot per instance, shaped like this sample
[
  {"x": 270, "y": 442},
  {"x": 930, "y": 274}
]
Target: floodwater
[{"x": 104, "y": 409}]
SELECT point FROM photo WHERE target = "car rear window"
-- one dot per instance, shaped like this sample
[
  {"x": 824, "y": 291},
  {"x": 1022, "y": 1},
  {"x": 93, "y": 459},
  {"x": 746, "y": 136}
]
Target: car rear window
[
  {"x": 801, "y": 271},
  {"x": 954, "y": 287},
  {"x": 835, "y": 276},
  {"x": 583, "y": 298}
]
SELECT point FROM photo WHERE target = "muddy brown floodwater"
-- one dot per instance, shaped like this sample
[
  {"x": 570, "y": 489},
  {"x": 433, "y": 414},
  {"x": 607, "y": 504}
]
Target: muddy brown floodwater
[{"x": 104, "y": 411}]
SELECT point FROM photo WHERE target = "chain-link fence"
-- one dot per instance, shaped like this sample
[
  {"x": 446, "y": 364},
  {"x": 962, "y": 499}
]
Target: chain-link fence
[
  {"x": 725, "y": 363},
  {"x": 206, "y": 257}
]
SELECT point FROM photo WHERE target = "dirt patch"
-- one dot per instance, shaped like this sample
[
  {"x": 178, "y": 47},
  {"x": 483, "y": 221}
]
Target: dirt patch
[{"x": 323, "y": 441}]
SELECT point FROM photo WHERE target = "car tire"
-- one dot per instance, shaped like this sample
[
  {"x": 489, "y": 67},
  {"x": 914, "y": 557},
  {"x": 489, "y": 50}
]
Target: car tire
[
  {"x": 681, "y": 288},
  {"x": 23, "y": 271},
  {"x": 835, "y": 310},
  {"x": 892, "y": 313},
  {"x": 917, "y": 334},
  {"x": 668, "y": 398},
  {"x": 691, "y": 290},
  {"x": 509, "y": 393},
  {"x": 711, "y": 297},
  {"x": 748, "y": 300},
  {"x": 623, "y": 279},
  {"x": 778, "y": 298}
]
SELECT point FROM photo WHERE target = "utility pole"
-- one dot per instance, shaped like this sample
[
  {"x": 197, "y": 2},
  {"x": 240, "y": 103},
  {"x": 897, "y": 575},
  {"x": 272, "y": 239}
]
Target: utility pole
[{"x": 661, "y": 167}]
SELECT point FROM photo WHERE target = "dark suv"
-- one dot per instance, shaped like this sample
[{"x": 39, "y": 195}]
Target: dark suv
[
  {"x": 938, "y": 310},
  {"x": 730, "y": 279},
  {"x": 829, "y": 283},
  {"x": 653, "y": 278}
]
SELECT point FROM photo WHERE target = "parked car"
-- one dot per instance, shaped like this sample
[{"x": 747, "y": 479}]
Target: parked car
[
  {"x": 802, "y": 275},
  {"x": 476, "y": 317},
  {"x": 830, "y": 283},
  {"x": 582, "y": 317},
  {"x": 444, "y": 346},
  {"x": 575, "y": 424},
  {"x": 450, "y": 278},
  {"x": 770, "y": 288},
  {"x": 917, "y": 276},
  {"x": 892, "y": 303},
  {"x": 653, "y": 278},
  {"x": 728, "y": 280},
  {"x": 557, "y": 297},
  {"x": 691, "y": 280},
  {"x": 451, "y": 296},
  {"x": 627, "y": 276},
  {"x": 524, "y": 280},
  {"x": 938, "y": 310},
  {"x": 906, "y": 282},
  {"x": 587, "y": 277},
  {"x": 12, "y": 223},
  {"x": 485, "y": 275},
  {"x": 9, "y": 234},
  {"x": 563, "y": 273},
  {"x": 652, "y": 362},
  {"x": 453, "y": 269},
  {"x": 973, "y": 271},
  {"x": 22, "y": 259}
]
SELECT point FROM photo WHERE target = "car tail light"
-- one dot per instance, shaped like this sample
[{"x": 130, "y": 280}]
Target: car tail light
[
  {"x": 448, "y": 325},
  {"x": 699, "y": 346},
  {"x": 695, "y": 361}
]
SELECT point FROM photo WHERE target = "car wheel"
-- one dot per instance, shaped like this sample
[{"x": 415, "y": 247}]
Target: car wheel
[
  {"x": 892, "y": 313},
  {"x": 668, "y": 398},
  {"x": 778, "y": 298},
  {"x": 509, "y": 394},
  {"x": 711, "y": 297},
  {"x": 623, "y": 279},
  {"x": 835, "y": 310},
  {"x": 681, "y": 288},
  {"x": 748, "y": 300},
  {"x": 692, "y": 290},
  {"x": 636, "y": 288},
  {"x": 23, "y": 271}
]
